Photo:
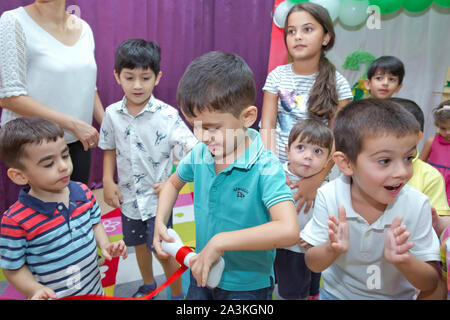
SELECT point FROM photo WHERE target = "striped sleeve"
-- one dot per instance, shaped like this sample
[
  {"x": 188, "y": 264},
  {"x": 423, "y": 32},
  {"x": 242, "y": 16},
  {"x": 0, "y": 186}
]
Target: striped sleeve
[
  {"x": 343, "y": 87},
  {"x": 95, "y": 212},
  {"x": 13, "y": 242}
]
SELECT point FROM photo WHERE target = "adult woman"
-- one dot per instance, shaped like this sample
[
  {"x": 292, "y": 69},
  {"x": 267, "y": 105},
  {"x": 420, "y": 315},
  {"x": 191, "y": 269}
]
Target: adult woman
[{"x": 48, "y": 70}]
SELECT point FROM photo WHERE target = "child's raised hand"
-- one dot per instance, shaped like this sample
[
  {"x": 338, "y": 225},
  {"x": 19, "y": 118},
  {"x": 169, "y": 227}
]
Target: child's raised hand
[
  {"x": 338, "y": 231},
  {"x": 115, "y": 249},
  {"x": 396, "y": 246}
]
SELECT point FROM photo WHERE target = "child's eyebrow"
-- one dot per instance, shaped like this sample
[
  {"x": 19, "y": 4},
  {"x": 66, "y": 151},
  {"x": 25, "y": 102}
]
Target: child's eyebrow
[{"x": 390, "y": 151}]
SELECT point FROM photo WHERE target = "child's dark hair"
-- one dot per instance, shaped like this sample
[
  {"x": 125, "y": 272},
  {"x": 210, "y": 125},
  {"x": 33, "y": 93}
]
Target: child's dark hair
[
  {"x": 387, "y": 64},
  {"x": 312, "y": 131},
  {"x": 216, "y": 81},
  {"x": 412, "y": 107},
  {"x": 442, "y": 112},
  {"x": 370, "y": 118},
  {"x": 137, "y": 53},
  {"x": 19, "y": 132},
  {"x": 323, "y": 97}
]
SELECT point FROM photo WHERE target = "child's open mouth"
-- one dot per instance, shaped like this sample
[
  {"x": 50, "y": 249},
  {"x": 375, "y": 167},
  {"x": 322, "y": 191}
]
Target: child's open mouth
[{"x": 394, "y": 189}]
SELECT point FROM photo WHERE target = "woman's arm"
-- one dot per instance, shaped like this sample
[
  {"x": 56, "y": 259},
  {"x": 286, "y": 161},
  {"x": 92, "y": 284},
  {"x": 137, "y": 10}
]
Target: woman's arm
[
  {"x": 25, "y": 106},
  {"x": 99, "y": 111}
]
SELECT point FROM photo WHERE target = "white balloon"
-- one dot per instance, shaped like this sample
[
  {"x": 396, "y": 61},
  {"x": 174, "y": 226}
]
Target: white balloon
[
  {"x": 332, "y": 6},
  {"x": 353, "y": 12},
  {"x": 280, "y": 14}
]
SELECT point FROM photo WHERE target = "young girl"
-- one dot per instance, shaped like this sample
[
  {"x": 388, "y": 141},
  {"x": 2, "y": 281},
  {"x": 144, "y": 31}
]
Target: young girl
[
  {"x": 436, "y": 150},
  {"x": 309, "y": 86}
]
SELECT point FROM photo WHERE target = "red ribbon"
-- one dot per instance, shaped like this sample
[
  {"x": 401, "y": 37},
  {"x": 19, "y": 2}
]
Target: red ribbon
[{"x": 181, "y": 254}]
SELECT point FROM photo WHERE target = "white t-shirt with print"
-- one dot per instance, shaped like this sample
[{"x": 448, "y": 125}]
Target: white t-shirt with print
[{"x": 293, "y": 94}]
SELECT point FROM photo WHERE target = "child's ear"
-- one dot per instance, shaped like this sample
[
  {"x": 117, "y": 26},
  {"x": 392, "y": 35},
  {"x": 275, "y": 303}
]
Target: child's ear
[
  {"x": 158, "y": 78},
  {"x": 116, "y": 75},
  {"x": 367, "y": 83},
  {"x": 249, "y": 115},
  {"x": 17, "y": 176},
  {"x": 343, "y": 163},
  {"x": 326, "y": 39}
]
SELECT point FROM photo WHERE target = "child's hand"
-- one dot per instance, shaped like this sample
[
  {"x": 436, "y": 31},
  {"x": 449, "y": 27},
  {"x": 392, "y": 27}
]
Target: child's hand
[
  {"x": 157, "y": 187},
  {"x": 115, "y": 249},
  {"x": 201, "y": 263},
  {"x": 396, "y": 246},
  {"x": 44, "y": 293},
  {"x": 160, "y": 233},
  {"x": 338, "y": 232},
  {"x": 112, "y": 195}
]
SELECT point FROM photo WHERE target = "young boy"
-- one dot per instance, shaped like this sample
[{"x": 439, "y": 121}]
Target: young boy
[
  {"x": 140, "y": 134},
  {"x": 385, "y": 77},
  {"x": 309, "y": 148},
  {"x": 370, "y": 232},
  {"x": 49, "y": 237},
  {"x": 243, "y": 207}
]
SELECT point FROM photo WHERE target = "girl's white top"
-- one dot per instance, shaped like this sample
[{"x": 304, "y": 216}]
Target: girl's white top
[
  {"x": 293, "y": 94},
  {"x": 34, "y": 63}
]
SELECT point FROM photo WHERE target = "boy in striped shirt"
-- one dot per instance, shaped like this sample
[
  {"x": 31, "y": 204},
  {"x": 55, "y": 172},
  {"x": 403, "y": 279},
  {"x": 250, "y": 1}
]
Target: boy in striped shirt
[{"x": 49, "y": 237}]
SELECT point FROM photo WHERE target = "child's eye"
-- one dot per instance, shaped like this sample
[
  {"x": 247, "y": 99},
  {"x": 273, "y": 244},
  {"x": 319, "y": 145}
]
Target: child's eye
[
  {"x": 301, "y": 147},
  {"x": 129, "y": 79},
  {"x": 409, "y": 158},
  {"x": 292, "y": 31},
  {"x": 146, "y": 79},
  {"x": 379, "y": 78},
  {"x": 384, "y": 161},
  {"x": 393, "y": 79},
  {"x": 318, "y": 151},
  {"x": 65, "y": 156},
  {"x": 49, "y": 165},
  {"x": 308, "y": 29}
]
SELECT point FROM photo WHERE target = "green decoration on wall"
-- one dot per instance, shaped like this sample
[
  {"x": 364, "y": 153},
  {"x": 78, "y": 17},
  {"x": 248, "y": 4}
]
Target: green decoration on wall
[{"x": 353, "y": 62}]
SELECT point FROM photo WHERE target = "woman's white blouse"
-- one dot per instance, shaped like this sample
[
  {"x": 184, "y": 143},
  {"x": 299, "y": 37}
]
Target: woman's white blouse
[{"x": 34, "y": 63}]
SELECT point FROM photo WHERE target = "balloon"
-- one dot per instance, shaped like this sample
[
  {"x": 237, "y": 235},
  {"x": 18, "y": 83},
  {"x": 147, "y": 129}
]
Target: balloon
[
  {"x": 331, "y": 5},
  {"x": 297, "y": 1},
  {"x": 442, "y": 3},
  {"x": 353, "y": 12},
  {"x": 280, "y": 14},
  {"x": 416, "y": 5},
  {"x": 387, "y": 6}
]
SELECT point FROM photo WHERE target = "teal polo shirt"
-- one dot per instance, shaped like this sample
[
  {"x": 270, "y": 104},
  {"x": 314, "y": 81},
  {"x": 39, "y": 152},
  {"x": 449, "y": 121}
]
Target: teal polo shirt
[{"x": 239, "y": 197}]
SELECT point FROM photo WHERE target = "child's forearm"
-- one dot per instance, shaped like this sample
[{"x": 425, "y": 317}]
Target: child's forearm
[
  {"x": 167, "y": 198},
  {"x": 422, "y": 275},
  {"x": 101, "y": 237},
  {"x": 109, "y": 166},
  {"x": 320, "y": 257},
  {"x": 23, "y": 280},
  {"x": 278, "y": 233}
]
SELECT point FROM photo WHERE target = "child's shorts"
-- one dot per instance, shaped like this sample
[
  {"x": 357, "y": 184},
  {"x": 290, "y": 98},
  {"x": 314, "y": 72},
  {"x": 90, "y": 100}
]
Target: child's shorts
[
  {"x": 137, "y": 232},
  {"x": 295, "y": 280}
]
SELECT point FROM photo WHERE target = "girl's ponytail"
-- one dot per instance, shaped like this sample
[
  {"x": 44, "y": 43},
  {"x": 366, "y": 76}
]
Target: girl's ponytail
[{"x": 323, "y": 98}]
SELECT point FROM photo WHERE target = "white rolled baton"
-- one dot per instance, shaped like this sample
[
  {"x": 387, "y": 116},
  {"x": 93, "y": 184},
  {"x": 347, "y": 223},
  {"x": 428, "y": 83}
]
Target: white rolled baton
[{"x": 173, "y": 248}]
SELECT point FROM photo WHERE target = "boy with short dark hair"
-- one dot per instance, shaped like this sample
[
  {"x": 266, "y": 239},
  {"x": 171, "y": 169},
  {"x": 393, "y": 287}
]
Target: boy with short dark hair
[
  {"x": 371, "y": 233},
  {"x": 49, "y": 237},
  {"x": 385, "y": 77},
  {"x": 243, "y": 207},
  {"x": 141, "y": 135}
]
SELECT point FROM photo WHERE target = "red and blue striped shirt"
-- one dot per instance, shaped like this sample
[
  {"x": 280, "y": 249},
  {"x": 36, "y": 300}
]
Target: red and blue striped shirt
[{"x": 56, "y": 243}]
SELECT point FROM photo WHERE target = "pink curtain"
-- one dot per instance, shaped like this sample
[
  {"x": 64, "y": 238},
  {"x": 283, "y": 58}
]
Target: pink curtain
[{"x": 184, "y": 29}]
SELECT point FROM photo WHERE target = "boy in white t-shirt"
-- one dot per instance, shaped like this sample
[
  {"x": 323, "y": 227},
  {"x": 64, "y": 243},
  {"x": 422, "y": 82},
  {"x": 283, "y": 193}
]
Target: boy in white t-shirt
[
  {"x": 308, "y": 151},
  {"x": 371, "y": 233}
]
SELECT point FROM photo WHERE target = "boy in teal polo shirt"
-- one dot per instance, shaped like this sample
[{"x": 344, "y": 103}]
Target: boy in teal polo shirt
[{"x": 243, "y": 207}]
